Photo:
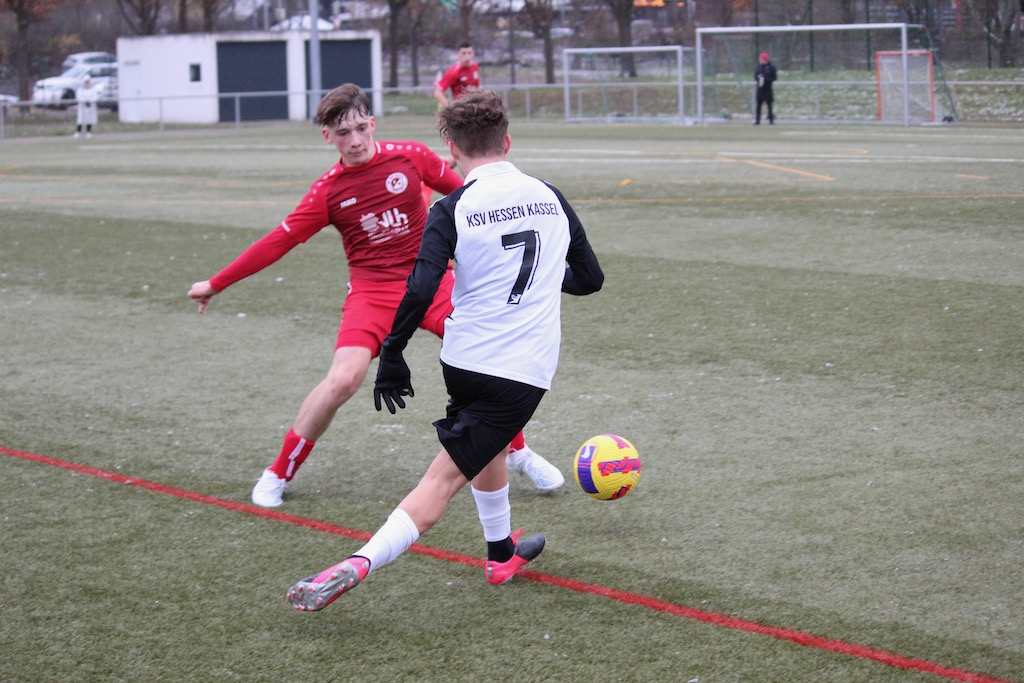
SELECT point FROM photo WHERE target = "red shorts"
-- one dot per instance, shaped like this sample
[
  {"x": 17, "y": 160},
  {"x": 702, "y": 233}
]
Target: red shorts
[{"x": 370, "y": 307}]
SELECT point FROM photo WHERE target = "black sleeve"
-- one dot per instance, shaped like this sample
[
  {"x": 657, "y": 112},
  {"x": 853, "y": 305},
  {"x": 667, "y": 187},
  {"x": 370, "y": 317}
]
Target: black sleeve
[
  {"x": 436, "y": 250},
  {"x": 583, "y": 274}
]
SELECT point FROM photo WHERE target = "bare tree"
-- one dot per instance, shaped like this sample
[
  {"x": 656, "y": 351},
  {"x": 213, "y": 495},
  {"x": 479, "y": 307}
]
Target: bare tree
[
  {"x": 914, "y": 11},
  {"x": 716, "y": 12},
  {"x": 846, "y": 12},
  {"x": 541, "y": 14},
  {"x": 999, "y": 20},
  {"x": 141, "y": 15},
  {"x": 211, "y": 10},
  {"x": 679, "y": 16},
  {"x": 420, "y": 12},
  {"x": 466, "y": 8},
  {"x": 26, "y": 13},
  {"x": 395, "y": 8},
  {"x": 622, "y": 10}
]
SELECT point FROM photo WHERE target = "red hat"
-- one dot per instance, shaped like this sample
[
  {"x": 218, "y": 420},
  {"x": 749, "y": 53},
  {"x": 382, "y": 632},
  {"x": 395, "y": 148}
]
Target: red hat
[{"x": 764, "y": 56}]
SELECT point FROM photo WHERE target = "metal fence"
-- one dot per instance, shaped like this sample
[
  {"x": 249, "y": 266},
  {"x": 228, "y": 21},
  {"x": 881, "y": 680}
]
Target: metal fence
[{"x": 803, "y": 101}]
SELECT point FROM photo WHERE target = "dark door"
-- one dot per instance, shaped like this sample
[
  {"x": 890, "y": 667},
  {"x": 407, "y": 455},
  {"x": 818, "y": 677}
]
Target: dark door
[
  {"x": 343, "y": 61},
  {"x": 252, "y": 67}
]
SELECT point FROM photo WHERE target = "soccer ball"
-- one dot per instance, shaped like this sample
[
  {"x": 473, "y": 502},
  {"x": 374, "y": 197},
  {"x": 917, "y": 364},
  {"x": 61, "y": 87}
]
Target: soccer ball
[{"x": 607, "y": 467}]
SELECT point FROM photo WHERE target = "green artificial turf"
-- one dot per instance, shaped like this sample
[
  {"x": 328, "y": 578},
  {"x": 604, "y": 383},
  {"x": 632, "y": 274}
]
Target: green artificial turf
[{"x": 813, "y": 336}]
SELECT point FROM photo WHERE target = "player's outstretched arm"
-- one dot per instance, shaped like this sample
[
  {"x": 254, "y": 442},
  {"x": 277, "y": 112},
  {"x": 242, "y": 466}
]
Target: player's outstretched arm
[
  {"x": 202, "y": 292},
  {"x": 440, "y": 96}
]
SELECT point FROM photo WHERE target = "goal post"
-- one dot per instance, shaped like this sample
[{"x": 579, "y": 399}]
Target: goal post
[
  {"x": 905, "y": 78},
  {"x": 847, "y": 93},
  {"x": 624, "y": 83}
]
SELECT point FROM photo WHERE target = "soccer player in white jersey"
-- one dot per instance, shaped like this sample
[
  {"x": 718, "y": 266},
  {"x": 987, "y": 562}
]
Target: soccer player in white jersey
[{"x": 517, "y": 245}]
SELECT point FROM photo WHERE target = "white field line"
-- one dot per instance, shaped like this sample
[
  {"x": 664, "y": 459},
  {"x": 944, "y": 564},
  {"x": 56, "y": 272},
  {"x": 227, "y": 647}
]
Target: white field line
[
  {"x": 589, "y": 156},
  {"x": 730, "y": 156}
]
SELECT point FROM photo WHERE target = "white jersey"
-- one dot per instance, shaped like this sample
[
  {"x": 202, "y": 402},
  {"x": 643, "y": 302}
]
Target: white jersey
[
  {"x": 517, "y": 245},
  {"x": 509, "y": 264}
]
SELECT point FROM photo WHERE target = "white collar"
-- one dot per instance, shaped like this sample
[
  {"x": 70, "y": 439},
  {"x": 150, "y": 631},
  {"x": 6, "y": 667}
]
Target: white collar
[{"x": 492, "y": 169}]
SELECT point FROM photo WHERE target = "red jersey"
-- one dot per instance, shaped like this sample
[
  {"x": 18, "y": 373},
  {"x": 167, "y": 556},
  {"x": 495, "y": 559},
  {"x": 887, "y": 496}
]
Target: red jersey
[
  {"x": 458, "y": 78},
  {"x": 377, "y": 208}
]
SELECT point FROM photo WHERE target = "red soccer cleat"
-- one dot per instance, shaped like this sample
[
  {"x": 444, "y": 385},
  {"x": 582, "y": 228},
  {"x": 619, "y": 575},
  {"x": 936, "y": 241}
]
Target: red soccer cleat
[{"x": 502, "y": 572}]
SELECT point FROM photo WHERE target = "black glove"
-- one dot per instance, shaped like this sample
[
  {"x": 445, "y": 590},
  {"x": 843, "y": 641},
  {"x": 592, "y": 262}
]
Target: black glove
[{"x": 393, "y": 381}]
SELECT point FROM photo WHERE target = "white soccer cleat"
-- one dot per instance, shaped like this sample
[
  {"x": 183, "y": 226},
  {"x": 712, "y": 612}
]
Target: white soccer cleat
[
  {"x": 543, "y": 474},
  {"x": 269, "y": 489}
]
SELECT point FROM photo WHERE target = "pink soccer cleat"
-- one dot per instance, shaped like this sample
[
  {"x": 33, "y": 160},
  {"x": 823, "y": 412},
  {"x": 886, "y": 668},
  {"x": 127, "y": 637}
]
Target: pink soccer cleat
[
  {"x": 502, "y": 572},
  {"x": 316, "y": 592}
]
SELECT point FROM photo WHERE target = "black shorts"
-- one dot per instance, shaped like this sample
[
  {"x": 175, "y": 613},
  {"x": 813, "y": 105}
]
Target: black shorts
[{"x": 484, "y": 414}]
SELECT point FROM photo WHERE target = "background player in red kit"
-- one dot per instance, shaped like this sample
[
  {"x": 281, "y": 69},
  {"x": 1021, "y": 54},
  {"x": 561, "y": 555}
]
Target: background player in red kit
[
  {"x": 465, "y": 73},
  {"x": 373, "y": 198}
]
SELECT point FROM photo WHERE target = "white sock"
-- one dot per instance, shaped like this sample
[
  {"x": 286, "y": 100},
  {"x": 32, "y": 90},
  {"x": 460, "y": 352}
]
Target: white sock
[
  {"x": 391, "y": 540},
  {"x": 495, "y": 513}
]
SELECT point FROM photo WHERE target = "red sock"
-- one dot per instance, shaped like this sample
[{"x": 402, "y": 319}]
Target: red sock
[
  {"x": 518, "y": 443},
  {"x": 293, "y": 454}
]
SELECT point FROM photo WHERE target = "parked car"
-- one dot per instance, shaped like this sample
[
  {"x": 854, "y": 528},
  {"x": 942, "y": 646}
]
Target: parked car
[
  {"x": 59, "y": 91},
  {"x": 302, "y": 23},
  {"x": 90, "y": 58},
  {"x": 7, "y": 101}
]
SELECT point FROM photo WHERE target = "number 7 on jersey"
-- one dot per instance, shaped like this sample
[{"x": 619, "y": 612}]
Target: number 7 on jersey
[{"x": 530, "y": 242}]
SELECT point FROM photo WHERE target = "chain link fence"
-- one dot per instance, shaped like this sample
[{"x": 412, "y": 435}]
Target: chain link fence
[{"x": 976, "y": 101}]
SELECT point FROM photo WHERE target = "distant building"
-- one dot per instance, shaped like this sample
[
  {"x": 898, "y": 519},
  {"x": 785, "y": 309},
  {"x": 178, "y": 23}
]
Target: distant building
[{"x": 251, "y": 75}]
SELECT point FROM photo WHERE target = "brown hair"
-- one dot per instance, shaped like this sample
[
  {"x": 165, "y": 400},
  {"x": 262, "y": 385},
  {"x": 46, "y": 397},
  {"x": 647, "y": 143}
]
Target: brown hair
[
  {"x": 476, "y": 123},
  {"x": 339, "y": 102}
]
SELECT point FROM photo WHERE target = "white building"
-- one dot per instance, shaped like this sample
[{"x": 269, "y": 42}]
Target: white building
[{"x": 247, "y": 76}]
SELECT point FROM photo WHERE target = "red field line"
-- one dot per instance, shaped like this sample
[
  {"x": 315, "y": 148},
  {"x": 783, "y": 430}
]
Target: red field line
[{"x": 793, "y": 636}]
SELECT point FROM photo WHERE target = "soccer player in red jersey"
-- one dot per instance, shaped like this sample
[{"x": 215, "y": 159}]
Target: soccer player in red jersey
[
  {"x": 373, "y": 197},
  {"x": 465, "y": 73}
]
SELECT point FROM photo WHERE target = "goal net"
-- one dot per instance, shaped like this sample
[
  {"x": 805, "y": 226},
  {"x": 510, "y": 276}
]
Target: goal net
[
  {"x": 826, "y": 73},
  {"x": 624, "y": 83},
  {"x": 910, "y": 90}
]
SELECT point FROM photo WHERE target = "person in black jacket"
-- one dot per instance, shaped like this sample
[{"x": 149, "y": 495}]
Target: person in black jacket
[{"x": 765, "y": 76}]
